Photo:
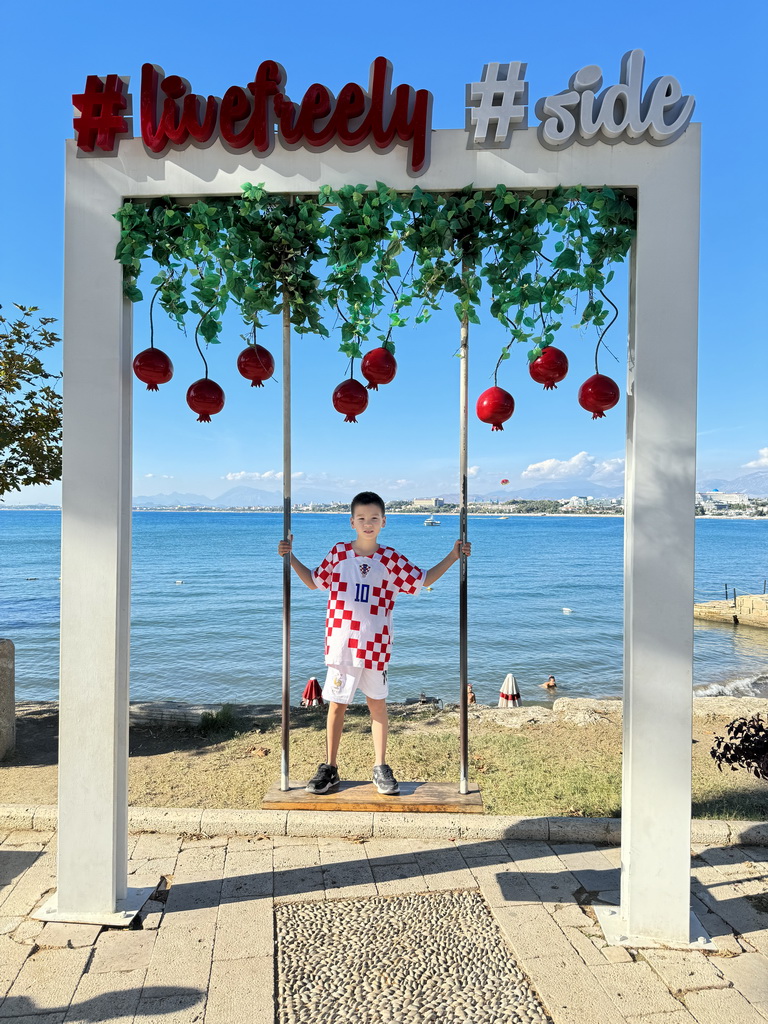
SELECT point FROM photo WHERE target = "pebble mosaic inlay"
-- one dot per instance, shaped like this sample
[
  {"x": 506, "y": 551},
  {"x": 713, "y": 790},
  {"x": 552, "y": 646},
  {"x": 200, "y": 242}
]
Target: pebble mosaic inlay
[{"x": 410, "y": 959}]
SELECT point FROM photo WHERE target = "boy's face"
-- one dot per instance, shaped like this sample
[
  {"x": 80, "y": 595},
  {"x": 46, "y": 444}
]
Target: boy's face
[{"x": 367, "y": 521}]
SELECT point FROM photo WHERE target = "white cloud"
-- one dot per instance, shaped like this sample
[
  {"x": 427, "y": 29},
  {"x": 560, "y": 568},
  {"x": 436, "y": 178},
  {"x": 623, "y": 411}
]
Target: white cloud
[
  {"x": 581, "y": 465},
  {"x": 298, "y": 476},
  {"x": 270, "y": 474},
  {"x": 157, "y": 476},
  {"x": 761, "y": 463},
  {"x": 473, "y": 471}
]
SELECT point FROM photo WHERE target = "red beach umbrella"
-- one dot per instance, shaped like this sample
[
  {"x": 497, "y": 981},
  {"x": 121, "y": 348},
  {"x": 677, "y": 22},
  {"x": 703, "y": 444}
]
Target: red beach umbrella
[{"x": 312, "y": 696}]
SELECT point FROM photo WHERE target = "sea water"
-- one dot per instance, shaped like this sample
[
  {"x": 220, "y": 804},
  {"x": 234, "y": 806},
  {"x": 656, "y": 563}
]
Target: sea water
[{"x": 545, "y": 597}]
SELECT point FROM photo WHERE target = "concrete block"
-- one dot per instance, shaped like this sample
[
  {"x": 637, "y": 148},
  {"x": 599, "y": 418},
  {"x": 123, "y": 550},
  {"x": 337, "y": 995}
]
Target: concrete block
[
  {"x": 721, "y": 1006},
  {"x": 685, "y": 970},
  {"x": 425, "y": 826},
  {"x": 584, "y": 830},
  {"x": 531, "y": 932},
  {"x": 13, "y": 816},
  {"x": 123, "y": 951},
  {"x": 617, "y": 955},
  {"x": 343, "y": 878},
  {"x": 153, "y": 845},
  {"x": 244, "y": 822},
  {"x": 238, "y": 984},
  {"x": 164, "y": 819},
  {"x": 389, "y": 851},
  {"x": 503, "y": 826},
  {"x": 7, "y": 698},
  {"x": 680, "y": 1016},
  {"x": 304, "y": 854},
  {"x": 68, "y": 936},
  {"x": 477, "y": 848},
  {"x": 28, "y": 932},
  {"x": 12, "y": 957},
  {"x": 184, "y": 976},
  {"x": 748, "y": 833},
  {"x": 46, "y": 818},
  {"x": 710, "y": 832},
  {"x": 502, "y": 884},
  {"x": 244, "y": 930},
  {"x": 635, "y": 988},
  {"x": 103, "y": 998},
  {"x": 567, "y": 988},
  {"x": 395, "y": 879},
  {"x": 299, "y": 885},
  {"x": 9, "y": 924},
  {"x": 247, "y": 874},
  {"x": 185, "y": 1005},
  {"x": 46, "y": 981},
  {"x": 748, "y": 973},
  {"x": 587, "y": 946},
  {"x": 350, "y": 824},
  {"x": 27, "y": 839}
]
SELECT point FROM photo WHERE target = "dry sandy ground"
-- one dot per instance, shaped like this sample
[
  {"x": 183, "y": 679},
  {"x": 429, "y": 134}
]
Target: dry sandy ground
[{"x": 569, "y": 756}]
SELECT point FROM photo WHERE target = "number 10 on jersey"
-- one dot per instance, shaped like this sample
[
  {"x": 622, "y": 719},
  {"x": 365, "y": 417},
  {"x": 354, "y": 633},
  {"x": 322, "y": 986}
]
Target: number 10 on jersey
[{"x": 362, "y": 591}]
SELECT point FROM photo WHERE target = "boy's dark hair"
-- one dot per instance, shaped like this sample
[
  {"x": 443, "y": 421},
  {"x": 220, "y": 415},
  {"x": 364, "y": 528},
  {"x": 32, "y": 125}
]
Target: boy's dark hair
[{"x": 368, "y": 498}]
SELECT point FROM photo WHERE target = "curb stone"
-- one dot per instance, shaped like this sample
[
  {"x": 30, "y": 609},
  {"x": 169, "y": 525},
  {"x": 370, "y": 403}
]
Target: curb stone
[{"x": 314, "y": 824}]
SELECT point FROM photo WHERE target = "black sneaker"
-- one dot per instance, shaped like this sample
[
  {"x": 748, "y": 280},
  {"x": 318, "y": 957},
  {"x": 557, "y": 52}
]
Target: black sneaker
[
  {"x": 385, "y": 781},
  {"x": 324, "y": 780}
]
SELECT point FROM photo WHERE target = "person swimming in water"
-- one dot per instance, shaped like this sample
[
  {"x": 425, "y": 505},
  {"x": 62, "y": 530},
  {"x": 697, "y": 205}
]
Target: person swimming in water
[{"x": 549, "y": 685}]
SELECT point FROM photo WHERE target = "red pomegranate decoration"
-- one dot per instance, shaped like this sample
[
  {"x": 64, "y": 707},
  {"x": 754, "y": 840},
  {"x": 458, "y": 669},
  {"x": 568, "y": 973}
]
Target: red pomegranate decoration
[
  {"x": 205, "y": 397},
  {"x": 597, "y": 394},
  {"x": 378, "y": 367},
  {"x": 256, "y": 364},
  {"x": 351, "y": 398},
  {"x": 153, "y": 367},
  {"x": 495, "y": 406},
  {"x": 549, "y": 368}
]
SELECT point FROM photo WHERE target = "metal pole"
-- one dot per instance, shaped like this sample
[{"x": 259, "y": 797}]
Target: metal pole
[
  {"x": 463, "y": 697},
  {"x": 286, "y": 704}
]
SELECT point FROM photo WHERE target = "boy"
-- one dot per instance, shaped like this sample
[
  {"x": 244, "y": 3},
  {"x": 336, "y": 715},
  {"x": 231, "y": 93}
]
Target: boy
[{"x": 363, "y": 580}]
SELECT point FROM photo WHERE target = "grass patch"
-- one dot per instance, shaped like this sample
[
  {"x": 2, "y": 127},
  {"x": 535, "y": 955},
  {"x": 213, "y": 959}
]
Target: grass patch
[{"x": 554, "y": 768}]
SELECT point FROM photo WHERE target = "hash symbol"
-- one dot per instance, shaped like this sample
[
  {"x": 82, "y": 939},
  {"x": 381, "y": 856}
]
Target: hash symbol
[
  {"x": 99, "y": 106},
  {"x": 498, "y": 104}
]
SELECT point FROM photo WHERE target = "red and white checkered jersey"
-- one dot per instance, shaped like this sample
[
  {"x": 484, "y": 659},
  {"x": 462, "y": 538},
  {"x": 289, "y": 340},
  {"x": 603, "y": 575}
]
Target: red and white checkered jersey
[{"x": 358, "y": 623}]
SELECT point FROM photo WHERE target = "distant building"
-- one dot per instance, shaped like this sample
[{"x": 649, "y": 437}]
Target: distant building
[
  {"x": 721, "y": 498},
  {"x": 428, "y": 502}
]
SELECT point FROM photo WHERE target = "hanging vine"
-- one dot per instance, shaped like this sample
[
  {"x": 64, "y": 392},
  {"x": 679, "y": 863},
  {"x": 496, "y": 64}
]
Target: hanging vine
[{"x": 366, "y": 257}]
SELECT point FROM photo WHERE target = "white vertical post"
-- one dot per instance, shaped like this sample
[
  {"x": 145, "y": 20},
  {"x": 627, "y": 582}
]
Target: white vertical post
[
  {"x": 659, "y": 561},
  {"x": 96, "y": 558},
  {"x": 285, "y": 732}
]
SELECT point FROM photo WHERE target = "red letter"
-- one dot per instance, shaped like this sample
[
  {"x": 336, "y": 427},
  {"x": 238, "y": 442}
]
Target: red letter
[
  {"x": 411, "y": 121},
  {"x": 351, "y": 104},
  {"x": 235, "y": 106},
  {"x": 201, "y": 130},
  {"x": 154, "y": 138},
  {"x": 316, "y": 105},
  {"x": 268, "y": 82}
]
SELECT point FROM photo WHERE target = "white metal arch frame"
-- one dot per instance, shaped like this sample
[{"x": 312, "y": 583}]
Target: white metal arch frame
[{"x": 659, "y": 494}]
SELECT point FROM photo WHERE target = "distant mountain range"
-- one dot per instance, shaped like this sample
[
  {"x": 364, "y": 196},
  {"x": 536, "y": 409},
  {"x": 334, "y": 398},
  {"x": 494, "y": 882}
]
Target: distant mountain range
[{"x": 753, "y": 484}]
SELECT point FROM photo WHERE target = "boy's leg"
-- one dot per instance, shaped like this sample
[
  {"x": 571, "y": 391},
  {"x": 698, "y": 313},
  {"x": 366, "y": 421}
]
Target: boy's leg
[
  {"x": 379, "y": 728},
  {"x": 335, "y": 724}
]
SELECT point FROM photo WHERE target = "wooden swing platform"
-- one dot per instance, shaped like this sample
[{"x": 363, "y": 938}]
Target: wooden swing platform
[{"x": 414, "y": 798}]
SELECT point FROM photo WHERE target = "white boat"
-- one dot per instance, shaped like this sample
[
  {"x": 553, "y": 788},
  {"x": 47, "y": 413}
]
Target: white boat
[{"x": 431, "y": 521}]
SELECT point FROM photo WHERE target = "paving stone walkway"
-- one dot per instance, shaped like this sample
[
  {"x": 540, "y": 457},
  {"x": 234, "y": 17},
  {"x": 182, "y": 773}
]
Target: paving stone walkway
[{"x": 208, "y": 949}]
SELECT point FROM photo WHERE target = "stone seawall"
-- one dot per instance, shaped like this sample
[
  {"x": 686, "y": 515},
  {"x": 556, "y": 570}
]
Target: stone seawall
[{"x": 749, "y": 610}]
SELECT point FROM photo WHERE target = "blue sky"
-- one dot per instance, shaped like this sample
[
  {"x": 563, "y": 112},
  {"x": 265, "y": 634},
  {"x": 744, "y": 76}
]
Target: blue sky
[{"x": 407, "y": 441}]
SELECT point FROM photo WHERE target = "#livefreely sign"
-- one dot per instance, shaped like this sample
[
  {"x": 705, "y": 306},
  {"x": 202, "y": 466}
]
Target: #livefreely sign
[{"x": 253, "y": 116}]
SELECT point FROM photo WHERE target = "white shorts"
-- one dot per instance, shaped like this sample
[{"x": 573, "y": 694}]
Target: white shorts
[{"x": 341, "y": 683}]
